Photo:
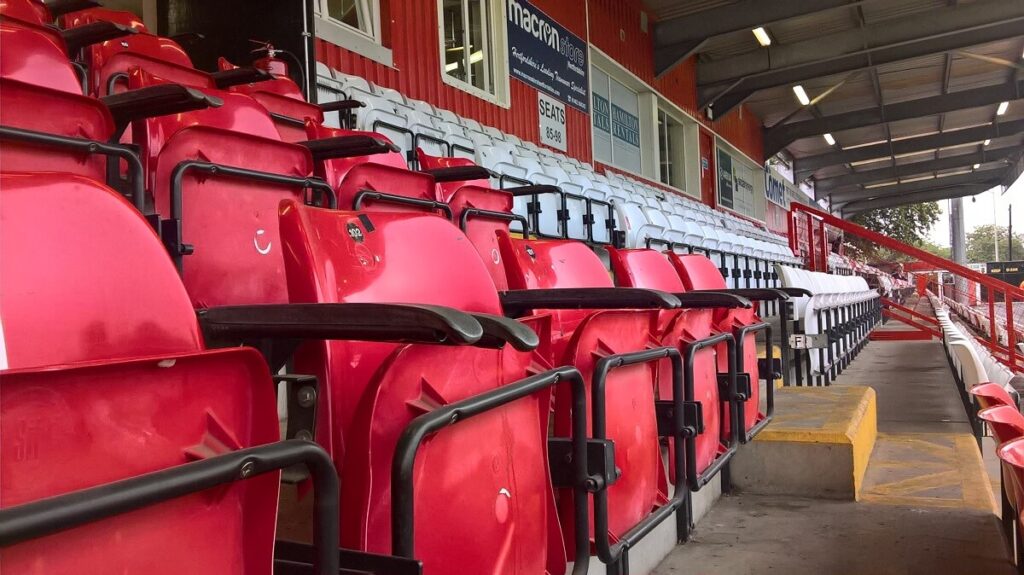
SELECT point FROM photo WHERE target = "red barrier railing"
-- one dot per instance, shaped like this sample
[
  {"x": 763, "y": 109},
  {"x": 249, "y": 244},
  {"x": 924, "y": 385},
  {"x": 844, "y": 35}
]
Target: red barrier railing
[{"x": 808, "y": 236}]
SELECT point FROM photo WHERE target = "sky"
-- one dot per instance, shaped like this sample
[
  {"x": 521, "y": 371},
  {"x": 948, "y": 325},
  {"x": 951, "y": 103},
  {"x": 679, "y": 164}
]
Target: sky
[{"x": 980, "y": 211}]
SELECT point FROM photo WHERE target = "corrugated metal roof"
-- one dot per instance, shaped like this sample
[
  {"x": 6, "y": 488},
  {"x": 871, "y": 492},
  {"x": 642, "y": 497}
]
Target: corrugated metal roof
[{"x": 899, "y": 81}]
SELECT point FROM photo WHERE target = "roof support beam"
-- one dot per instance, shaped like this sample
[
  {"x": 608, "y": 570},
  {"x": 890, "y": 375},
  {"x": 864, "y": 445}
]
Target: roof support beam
[
  {"x": 854, "y": 208},
  {"x": 723, "y": 84},
  {"x": 974, "y": 177},
  {"x": 823, "y": 187},
  {"x": 676, "y": 39},
  {"x": 804, "y": 167},
  {"x": 779, "y": 137}
]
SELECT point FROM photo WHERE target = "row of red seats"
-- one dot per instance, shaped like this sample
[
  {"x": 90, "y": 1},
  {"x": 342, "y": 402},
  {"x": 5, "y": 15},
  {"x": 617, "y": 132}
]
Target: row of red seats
[
  {"x": 1006, "y": 426},
  {"x": 312, "y": 288}
]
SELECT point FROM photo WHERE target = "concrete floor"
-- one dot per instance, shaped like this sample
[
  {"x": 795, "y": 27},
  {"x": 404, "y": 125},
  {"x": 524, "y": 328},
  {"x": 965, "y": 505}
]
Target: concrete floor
[
  {"x": 927, "y": 506},
  {"x": 753, "y": 534}
]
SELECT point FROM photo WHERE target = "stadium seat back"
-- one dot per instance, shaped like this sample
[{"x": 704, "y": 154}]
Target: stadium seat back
[
  {"x": 582, "y": 337},
  {"x": 448, "y": 189},
  {"x": 699, "y": 273},
  {"x": 39, "y": 92},
  {"x": 231, "y": 222},
  {"x": 30, "y": 12},
  {"x": 992, "y": 395},
  {"x": 125, "y": 62},
  {"x": 484, "y": 481},
  {"x": 104, "y": 379},
  {"x": 386, "y": 173},
  {"x": 649, "y": 269},
  {"x": 100, "y": 14},
  {"x": 94, "y": 322},
  {"x": 283, "y": 97},
  {"x": 1004, "y": 421}
]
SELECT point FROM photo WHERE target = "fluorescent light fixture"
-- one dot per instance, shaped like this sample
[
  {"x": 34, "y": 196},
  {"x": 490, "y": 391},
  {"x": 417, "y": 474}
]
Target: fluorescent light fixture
[
  {"x": 801, "y": 95},
  {"x": 451, "y": 67},
  {"x": 831, "y": 141},
  {"x": 986, "y": 142},
  {"x": 1002, "y": 108},
  {"x": 976, "y": 166},
  {"x": 475, "y": 57},
  {"x": 762, "y": 36}
]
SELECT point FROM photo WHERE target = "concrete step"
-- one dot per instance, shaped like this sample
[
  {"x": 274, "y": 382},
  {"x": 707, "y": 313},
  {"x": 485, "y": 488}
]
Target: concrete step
[{"x": 818, "y": 444}]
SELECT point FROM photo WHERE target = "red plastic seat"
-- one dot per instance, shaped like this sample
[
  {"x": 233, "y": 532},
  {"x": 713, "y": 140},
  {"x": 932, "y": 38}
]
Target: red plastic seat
[
  {"x": 580, "y": 338},
  {"x": 31, "y": 12},
  {"x": 645, "y": 268},
  {"x": 105, "y": 378},
  {"x": 482, "y": 491},
  {"x": 1011, "y": 454},
  {"x": 991, "y": 395},
  {"x": 381, "y": 173},
  {"x": 39, "y": 92},
  {"x": 232, "y": 221},
  {"x": 281, "y": 97},
  {"x": 100, "y": 14},
  {"x": 699, "y": 273}
]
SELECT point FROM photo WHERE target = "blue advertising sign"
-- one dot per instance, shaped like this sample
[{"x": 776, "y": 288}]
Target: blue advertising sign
[
  {"x": 775, "y": 189},
  {"x": 543, "y": 54}
]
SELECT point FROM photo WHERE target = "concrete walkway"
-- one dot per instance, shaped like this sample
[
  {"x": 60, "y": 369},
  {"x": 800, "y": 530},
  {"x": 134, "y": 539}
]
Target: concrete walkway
[{"x": 927, "y": 504}]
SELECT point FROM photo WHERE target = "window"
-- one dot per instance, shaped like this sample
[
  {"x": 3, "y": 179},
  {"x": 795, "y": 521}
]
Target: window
[
  {"x": 354, "y": 25},
  {"x": 670, "y": 148},
  {"x": 616, "y": 120},
  {"x": 471, "y": 42},
  {"x": 361, "y": 15}
]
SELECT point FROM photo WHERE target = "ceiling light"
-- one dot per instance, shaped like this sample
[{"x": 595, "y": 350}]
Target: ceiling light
[
  {"x": 831, "y": 141},
  {"x": 1002, "y": 108},
  {"x": 451, "y": 67},
  {"x": 976, "y": 166},
  {"x": 801, "y": 95},
  {"x": 476, "y": 57},
  {"x": 986, "y": 142},
  {"x": 762, "y": 36}
]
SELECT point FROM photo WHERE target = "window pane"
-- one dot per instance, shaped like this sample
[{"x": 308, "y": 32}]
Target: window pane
[
  {"x": 347, "y": 12},
  {"x": 477, "y": 54},
  {"x": 664, "y": 148},
  {"x": 454, "y": 39}
]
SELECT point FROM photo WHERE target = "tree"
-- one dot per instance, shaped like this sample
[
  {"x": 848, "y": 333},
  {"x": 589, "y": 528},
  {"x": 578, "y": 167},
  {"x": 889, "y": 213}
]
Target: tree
[
  {"x": 934, "y": 248},
  {"x": 908, "y": 224},
  {"x": 981, "y": 244}
]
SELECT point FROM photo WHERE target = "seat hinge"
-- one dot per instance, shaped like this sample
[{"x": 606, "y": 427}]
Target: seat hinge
[
  {"x": 693, "y": 418},
  {"x": 601, "y": 470}
]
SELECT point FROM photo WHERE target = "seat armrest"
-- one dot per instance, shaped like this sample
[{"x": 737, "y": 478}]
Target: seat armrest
[
  {"x": 759, "y": 294},
  {"x": 339, "y": 105},
  {"x": 460, "y": 173},
  {"x": 236, "y": 76},
  {"x": 348, "y": 147},
  {"x": 400, "y": 323},
  {"x": 534, "y": 189},
  {"x": 517, "y": 302},
  {"x": 88, "y": 34},
  {"x": 703, "y": 299},
  {"x": 153, "y": 101},
  {"x": 61, "y": 7},
  {"x": 795, "y": 291},
  {"x": 500, "y": 330}
]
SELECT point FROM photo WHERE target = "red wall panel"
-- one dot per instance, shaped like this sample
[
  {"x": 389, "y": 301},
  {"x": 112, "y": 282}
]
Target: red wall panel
[
  {"x": 614, "y": 28},
  {"x": 417, "y": 72}
]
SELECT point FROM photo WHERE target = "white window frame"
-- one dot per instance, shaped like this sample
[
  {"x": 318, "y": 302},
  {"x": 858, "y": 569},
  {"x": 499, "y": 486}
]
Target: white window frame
[
  {"x": 496, "y": 40},
  {"x": 677, "y": 151},
  {"x": 642, "y": 125},
  {"x": 340, "y": 34}
]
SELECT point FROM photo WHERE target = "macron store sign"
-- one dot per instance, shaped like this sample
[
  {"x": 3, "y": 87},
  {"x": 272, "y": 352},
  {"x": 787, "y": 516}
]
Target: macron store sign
[{"x": 543, "y": 54}]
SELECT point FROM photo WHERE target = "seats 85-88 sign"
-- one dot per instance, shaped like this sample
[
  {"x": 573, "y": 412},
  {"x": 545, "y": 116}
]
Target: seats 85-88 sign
[{"x": 552, "y": 121}]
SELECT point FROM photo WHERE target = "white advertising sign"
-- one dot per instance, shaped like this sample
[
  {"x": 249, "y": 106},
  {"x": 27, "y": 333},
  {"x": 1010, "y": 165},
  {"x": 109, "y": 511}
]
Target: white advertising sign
[{"x": 552, "y": 121}]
